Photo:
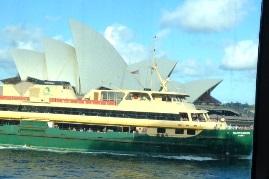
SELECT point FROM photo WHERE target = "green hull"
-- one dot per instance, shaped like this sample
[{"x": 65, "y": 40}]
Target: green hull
[{"x": 38, "y": 135}]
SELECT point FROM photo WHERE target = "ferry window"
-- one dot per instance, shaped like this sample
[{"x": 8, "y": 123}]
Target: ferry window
[
  {"x": 42, "y": 109},
  {"x": 179, "y": 131},
  {"x": 157, "y": 97},
  {"x": 145, "y": 97},
  {"x": 125, "y": 129},
  {"x": 169, "y": 98},
  {"x": 135, "y": 96},
  {"x": 13, "y": 108},
  {"x": 4, "y": 107},
  {"x": 111, "y": 96},
  {"x": 194, "y": 116},
  {"x": 183, "y": 117},
  {"x": 161, "y": 130},
  {"x": 112, "y": 113},
  {"x": 118, "y": 97},
  {"x": 166, "y": 98},
  {"x": 198, "y": 117},
  {"x": 174, "y": 117},
  {"x": 190, "y": 132},
  {"x": 104, "y": 95},
  {"x": 128, "y": 96},
  {"x": 133, "y": 114},
  {"x": 176, "y": 99},
  {"x": 141, "y": 115}
]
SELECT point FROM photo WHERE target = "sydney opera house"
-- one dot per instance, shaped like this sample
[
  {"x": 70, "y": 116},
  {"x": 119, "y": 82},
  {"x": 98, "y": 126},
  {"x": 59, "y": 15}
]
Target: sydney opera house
[{"x": 93, "y": 63}]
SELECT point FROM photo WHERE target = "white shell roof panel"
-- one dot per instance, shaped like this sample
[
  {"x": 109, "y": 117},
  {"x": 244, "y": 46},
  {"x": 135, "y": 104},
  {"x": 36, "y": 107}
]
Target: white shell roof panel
[
  {"x": 61, "y": 62},
  {"x": 98, "y": 60},
  {"x": 30, "y": 63},
  {"x": 197, "y": 88}
]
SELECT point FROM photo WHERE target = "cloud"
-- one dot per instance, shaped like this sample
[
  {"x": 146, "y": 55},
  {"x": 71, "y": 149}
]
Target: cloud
[
  {"x": 189, "y": 68},
  {"x": 163, "y": 33},
  {"x": 52, "y": 18},
  {"x": 194, "y": 69},
  {"x": 205, "y": 16},
  {"x": 60, "y": 38},
  {"x": 22, "y": 36},
  {"x": 7, "y": 65},
  {"x": 241, "y": 56},
  {"x": 118, "y": 34},
  {"x": 17, "y": 36},
  {"x": 120, "y": 37}
]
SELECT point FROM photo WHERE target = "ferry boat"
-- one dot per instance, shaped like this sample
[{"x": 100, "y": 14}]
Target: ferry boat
[{"x": 50, "y": 115}]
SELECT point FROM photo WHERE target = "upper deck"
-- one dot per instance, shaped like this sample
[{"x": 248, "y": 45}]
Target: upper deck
[
  {"x": 61, "y": 94},
  {"x": 135, "y": 95}
]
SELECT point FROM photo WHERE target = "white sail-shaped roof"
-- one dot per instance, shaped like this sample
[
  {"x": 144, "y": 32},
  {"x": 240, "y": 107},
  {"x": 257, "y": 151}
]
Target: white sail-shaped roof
[
  {"x": 61, "y": 62},
  {"x": 30, "y": 63},
  {"x": 98, "y": 60},
  {"x": 95, "y": 63},
  {"x": 197, "y": 88},
  {"x": 147, "y": 76},
  {"x": 176, "y": 86}
]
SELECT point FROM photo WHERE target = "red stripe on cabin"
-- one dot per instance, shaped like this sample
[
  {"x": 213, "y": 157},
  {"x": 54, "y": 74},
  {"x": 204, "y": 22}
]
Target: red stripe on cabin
[
  {"x": 8, "y": 97},
  {"x": 103, "y": 102},
  {"x": 59, "y": 100},
  {"x": 66, "y": 100},
  {"x": 73, "y": 101},
  {"x": 16, "y": 98},
  {"x": 81, "y": 101},
  {"x": 95, "y": 102},
  {"x": 52, "y": 99},
  {"x": 2, "y": 97},
  {"x": 25, "y": 98},
  {"x": 88, "y": 101},
  {"x": 111, "y": 103}
]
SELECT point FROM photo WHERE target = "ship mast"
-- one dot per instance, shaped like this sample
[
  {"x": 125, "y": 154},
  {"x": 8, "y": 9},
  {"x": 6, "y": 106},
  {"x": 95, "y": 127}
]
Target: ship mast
[{"x": 163, "y": 82}]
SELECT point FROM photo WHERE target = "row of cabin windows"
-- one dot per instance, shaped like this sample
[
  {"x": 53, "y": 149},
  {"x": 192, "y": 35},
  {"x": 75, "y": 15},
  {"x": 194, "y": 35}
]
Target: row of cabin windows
[
  {"x": 91, "y": 112},
  {"x": 177, "y": 131},
  {"x": 144, "y": 96},
  {"x": 95, "y": 128}
]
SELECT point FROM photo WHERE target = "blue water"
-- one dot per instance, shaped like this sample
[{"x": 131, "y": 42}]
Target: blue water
[{"x": 32, "y": 163}]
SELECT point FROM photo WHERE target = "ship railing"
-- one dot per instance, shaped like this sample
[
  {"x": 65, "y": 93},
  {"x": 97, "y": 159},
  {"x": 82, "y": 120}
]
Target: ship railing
[
  {"x": 61, "y": 100},
  {"x": 21, "y": 98},
  {"x": 81, "y": 101}
]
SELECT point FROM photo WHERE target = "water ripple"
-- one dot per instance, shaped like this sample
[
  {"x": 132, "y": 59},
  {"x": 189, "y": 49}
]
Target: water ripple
[{"x": 39, "y": 163}]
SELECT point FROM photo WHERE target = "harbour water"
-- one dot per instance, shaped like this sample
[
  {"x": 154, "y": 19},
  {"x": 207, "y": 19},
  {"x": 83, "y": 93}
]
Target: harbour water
[{"x": 32, "y": 163}]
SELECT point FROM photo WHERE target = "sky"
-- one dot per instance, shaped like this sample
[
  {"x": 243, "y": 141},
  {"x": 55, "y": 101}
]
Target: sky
[{"x": 210, "y": 39}]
